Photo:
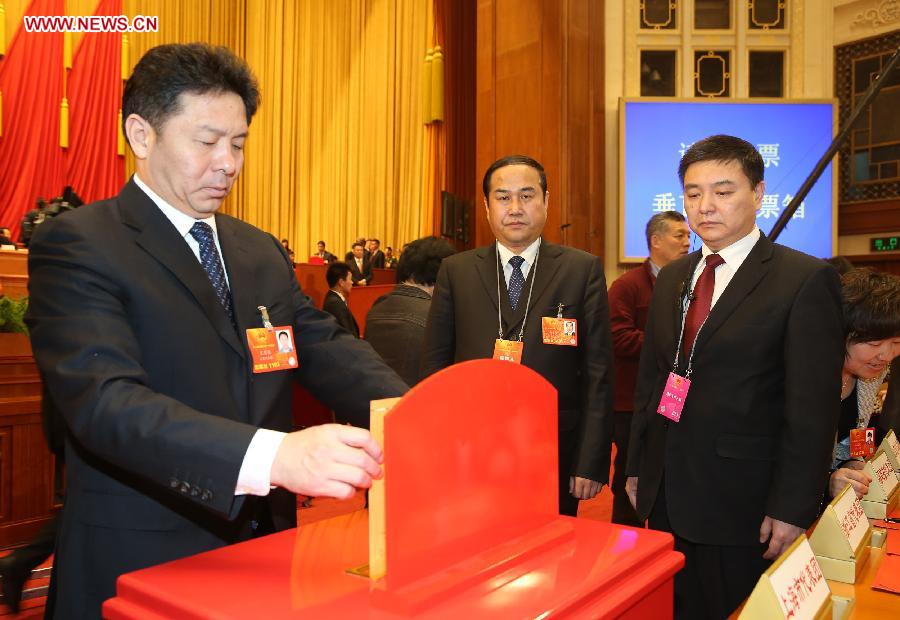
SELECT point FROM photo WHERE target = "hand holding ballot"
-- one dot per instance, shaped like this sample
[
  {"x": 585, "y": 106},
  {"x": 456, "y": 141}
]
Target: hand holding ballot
[
  {"x": 330, "y": 460},
  {"x": 850, "y": 473}
]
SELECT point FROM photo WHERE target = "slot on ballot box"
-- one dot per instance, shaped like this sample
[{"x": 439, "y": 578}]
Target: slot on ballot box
[
  {"x": 891, "y": 447},
  {"x": 841, "y": 538},
  {"x": 884, "y": 492},
  {"x": 794, "y": 587}
]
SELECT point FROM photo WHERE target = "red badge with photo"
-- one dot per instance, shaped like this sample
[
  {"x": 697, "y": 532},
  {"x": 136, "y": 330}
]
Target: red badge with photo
[
  {"x": 559, "y": 331},
  {"x": 272, "y": 349},
  {"x": 862, "y": 442}
]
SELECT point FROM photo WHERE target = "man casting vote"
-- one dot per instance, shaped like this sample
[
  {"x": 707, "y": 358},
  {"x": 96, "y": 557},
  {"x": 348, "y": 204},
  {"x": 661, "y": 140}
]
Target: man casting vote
[{"x": 154, "y": 319}]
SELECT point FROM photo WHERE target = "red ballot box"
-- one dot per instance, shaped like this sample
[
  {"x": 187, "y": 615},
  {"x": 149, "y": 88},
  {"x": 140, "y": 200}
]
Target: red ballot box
[{"x": 467, "y": 520}]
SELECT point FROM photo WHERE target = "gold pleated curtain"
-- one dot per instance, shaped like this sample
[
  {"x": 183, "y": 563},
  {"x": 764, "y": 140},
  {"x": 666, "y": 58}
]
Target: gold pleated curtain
[{"x": 336, "y": 149}]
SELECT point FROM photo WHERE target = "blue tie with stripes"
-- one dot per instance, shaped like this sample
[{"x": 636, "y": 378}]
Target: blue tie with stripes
[
  {"x": 209, "y": 258},
  {"x": 516, "y": 281}
]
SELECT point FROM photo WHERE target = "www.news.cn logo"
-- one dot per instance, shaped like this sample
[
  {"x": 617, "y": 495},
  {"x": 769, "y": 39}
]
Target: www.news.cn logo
[{"x": 90, "y": 23}]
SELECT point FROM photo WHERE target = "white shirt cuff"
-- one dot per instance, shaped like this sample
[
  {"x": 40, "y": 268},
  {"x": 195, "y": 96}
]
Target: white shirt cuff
[{"x": 255, "y": 475}]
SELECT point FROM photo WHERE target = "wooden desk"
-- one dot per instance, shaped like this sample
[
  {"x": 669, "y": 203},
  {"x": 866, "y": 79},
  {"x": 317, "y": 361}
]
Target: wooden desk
[
  {"x": 870, "y": 604},
  {"x": 14, "y": 273}
]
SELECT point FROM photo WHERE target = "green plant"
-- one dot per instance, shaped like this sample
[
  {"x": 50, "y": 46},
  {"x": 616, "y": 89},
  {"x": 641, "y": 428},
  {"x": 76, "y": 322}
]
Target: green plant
[{"x": 12, "y": 315}]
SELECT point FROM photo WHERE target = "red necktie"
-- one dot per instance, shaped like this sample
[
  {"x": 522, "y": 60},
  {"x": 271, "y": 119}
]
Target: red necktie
[{"x": 701, "y": 301}]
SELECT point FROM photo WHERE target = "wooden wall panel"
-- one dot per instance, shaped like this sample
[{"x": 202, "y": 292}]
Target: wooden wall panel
[{"x": 539, "y": 92}]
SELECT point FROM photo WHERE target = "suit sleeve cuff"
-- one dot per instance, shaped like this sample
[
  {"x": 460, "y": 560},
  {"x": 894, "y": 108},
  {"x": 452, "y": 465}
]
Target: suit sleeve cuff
[{"x": 255, "y": 475}]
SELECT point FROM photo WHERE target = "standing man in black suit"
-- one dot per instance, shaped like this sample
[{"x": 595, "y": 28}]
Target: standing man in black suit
[
  {"x": 360, "y": 267},
  {"x": 142, "y": 311},
  {"x": 526, "y": 292},
  {"x": 340, "y": 283},
  {"x": 376, "y": 256},
  {"x": 740, "y": 474}
]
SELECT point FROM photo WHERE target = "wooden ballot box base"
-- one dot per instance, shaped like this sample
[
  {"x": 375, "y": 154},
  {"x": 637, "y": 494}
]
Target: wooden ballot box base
[
  {"x": 845, "y": 571},
  {"x": 841, "y": 607},
  {"x": 880, "y": 510},
  {"x": 879, "y": 538}
]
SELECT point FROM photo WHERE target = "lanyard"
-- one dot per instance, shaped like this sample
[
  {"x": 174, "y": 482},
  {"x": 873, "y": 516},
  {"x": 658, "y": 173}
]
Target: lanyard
[
  {"x": 684, "y": 310},
  {"x": 533, "y": 274}
]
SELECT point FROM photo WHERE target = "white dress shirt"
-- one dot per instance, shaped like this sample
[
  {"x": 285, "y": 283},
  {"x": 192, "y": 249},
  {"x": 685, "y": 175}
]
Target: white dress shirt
[
  {"x": 254, "y": 477},
  {"x": 734, "y": 256},
  {"x": 529, "y": 254}
]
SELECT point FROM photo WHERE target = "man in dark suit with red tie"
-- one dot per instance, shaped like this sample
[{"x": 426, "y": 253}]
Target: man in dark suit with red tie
[
  {"x": 508, "y": 291},
  {"x": 756, "y": 328}
]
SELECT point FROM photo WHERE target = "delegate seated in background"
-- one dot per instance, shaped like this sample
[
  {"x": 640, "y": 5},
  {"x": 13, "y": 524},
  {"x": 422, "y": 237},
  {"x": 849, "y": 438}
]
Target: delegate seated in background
[
  {"x": 395, "y": 326},
  {"x": 871, "y": 303}
]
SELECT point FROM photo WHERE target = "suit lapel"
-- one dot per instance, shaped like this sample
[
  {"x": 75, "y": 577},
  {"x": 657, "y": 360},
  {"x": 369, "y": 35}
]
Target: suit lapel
[
  {"x": 486, "y": 264},
  {"x": 159, "y": 238},
  {"x": 748, "y": 276},
  {"x": 682, "y": 284},
  {"x": 240, "y": 275}
]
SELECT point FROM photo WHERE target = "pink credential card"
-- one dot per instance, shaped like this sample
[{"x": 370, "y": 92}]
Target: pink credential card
[{"x": 674, "y": 394}]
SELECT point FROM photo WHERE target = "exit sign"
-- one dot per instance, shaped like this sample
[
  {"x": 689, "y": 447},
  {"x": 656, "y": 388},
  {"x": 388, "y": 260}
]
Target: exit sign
[{"x": 885, "y": 244}]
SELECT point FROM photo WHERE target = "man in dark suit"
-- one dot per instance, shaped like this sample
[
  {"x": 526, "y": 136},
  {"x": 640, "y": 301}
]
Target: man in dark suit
[
  {"x": 741, "y": 473},
  {"x": 324, "y": 254},
  {"x": 340, "y": 283},
  {"x": 139, "y": 315},
  {"x": 524, "y": 279},
  {"x": 376, "y": 256},
  {"x": 360, "y": 267},
  {"x": 668, "y": 238}
]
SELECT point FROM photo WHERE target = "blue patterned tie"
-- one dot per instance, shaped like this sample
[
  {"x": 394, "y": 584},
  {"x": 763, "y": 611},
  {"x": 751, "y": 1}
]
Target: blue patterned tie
[
  {"x": 516, "y": 281},
  {"x": 209, "y": 258}
]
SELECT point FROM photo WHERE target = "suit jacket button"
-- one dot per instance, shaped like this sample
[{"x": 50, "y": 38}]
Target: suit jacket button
[
  {"x": 173, "y": 482},
  {"x": 206, "y": 496},
  {"x": 185, "y": 487}
]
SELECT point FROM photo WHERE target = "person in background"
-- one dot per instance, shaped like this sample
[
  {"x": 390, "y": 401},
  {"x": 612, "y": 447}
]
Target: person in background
[
  {"x": 359, "y": 266},
  {"x": 668, "y": 239},
  {"x": 390, "y": 261},
  {"x": 376, "y": 256},
  {"x": 871, "y": 302},
  {"x": 841, "y": 263},
  {"x": 340, "y": 283},
  {"x": 5, "y": 237},
  {"x": 361, "y": 241},
  {"x": 326, "y": 256},
  {"x": 515, "y": 286},
  {"x": 395, "y": 326}
]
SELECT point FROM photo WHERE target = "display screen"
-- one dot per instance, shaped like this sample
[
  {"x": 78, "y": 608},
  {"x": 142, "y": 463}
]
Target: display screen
[
  {"x": 791, "y": 137},
  {"x": 885, "y": 244}
]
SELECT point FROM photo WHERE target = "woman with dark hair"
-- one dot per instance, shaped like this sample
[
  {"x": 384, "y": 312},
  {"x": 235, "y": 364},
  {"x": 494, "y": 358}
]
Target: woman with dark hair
[
  {"x": 871, "y": 303},
  {"x": 395, "y": 326}
]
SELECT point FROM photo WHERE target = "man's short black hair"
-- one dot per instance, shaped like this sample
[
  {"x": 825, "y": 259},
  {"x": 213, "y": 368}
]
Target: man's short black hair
[
  {"x": 513, "y": 160},
  {"x": 322, "y": 243},
  {"x": 871, "y": 301},
  {"x": 421, "y": 260},
  {"x": 358, "y": 244},
  {"x": 165, "y": 72},
  {"x": 283, "y": 333},
  {"x": 722, "y": 148},
  {"x": 659, "y": 223},
  {"x": 376, "y": 241},
  {"x": 336, "y": 272}
]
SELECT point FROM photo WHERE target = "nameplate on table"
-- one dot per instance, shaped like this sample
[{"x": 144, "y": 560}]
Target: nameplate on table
[
  {"x": 891, "y": 448},
  {"x": 793, "y": 587},
  {"x": 841, "y": 536}
]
